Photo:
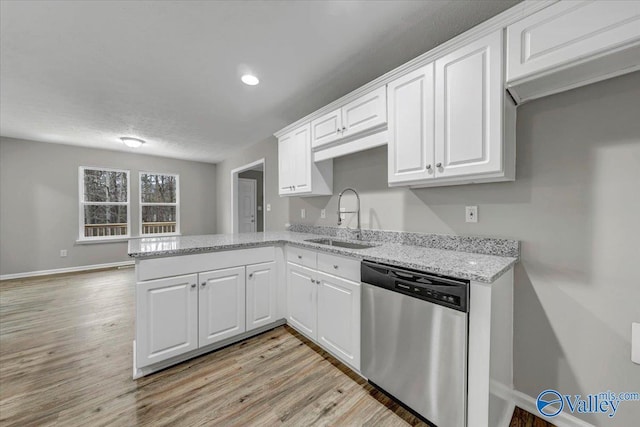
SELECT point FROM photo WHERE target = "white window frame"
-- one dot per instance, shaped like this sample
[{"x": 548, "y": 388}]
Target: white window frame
[
  {"x": 141, "y": 203},
  {"x": 82, "y": 203}
]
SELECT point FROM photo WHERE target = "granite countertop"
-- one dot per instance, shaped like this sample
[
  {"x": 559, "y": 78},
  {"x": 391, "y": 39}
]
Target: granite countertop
[{"x": 464, "y": 265}]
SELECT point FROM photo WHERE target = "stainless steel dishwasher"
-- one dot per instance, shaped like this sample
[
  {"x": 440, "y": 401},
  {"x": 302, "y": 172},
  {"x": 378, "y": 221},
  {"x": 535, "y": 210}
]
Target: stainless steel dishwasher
[{"x": 414, "y": 340}]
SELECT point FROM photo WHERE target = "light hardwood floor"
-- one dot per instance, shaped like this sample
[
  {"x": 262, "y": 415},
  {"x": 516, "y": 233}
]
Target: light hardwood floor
[{"x": 66, "y": 359}]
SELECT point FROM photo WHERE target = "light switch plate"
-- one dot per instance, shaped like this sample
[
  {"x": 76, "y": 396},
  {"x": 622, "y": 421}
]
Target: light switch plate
[
  {"x": 635, "y": 342},
  {"x": 268, "y": 207},
  {"x": 303, "y": 213},
  {"x": 63, "y": 253},
  {"x": 323, "y": 213},
  {"x": 471, "y": 214}
]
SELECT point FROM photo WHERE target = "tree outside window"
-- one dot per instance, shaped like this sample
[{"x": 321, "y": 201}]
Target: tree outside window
[{"x": 159, "y": 203}]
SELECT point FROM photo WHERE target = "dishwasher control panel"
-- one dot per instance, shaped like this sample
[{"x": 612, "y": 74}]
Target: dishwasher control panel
[{"x": 446, "y": 291}]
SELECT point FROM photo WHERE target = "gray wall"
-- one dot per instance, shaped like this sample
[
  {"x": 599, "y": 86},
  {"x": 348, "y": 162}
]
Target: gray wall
[
  {"x": 39, "y": 202},
  {"x": 575, "y": 206},
  {"x": 257, "y": 175},
  {"x": 267, "y": 149}
]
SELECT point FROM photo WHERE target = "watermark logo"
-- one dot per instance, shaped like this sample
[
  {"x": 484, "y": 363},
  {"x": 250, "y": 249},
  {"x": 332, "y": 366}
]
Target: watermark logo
[{"x": 550, "y": 403}]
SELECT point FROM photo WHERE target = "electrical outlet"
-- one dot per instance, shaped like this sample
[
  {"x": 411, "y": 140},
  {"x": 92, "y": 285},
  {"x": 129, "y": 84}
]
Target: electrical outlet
[
  {"x": 268, "y": 207},
  {"x": 471, "y": 213},
  {"x": 342, "y": 215},
  {"x": 303, "y": 213},
  {"x": 635, "y": 342},
  {"x": 323, "y": 213},
  {"x": 63, "y": 253}
]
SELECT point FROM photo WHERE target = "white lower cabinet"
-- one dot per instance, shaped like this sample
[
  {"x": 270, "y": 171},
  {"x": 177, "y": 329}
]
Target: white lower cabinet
[
  {"x": 179, "y": 314},
  {"x": 339, "y": 317},
  {"x": 301, "y": 299},
  {"x": 166, "y": 318},
  {"x": 323, "y": 302},
  {"x": 221, "y": 303},
  {"x": 262, "y": 294}
]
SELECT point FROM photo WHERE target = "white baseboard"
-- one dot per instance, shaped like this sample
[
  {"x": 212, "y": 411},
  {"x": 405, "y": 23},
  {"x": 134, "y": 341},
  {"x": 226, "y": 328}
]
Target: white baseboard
[
  {"x": 65, "y": 270},
  {"x": 528, "y": 403}
]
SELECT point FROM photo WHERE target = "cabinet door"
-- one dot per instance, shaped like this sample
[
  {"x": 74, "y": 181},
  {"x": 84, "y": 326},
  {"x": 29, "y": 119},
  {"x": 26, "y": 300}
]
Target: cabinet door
[
  {"x": 339, "y": 318},
  {"x": 301, "y": 299},
  {"x": 166, "y": 318},
  {"x": 367, "y": 112},
  {"x": 300, "y": 159},
  {"x": 469, "y": 115},
  {"x": 286, "y": 171},
  {"x": 411, "y": 126},
  {"x": 569, "y": 31},
  {"x": 221, "y": 303},
  {"x": 326, "y": 129},
  {"x": 262, "y": 294}
]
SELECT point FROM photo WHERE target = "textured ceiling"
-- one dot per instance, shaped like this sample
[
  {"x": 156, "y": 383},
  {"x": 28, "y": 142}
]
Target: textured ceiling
[{"x": 86, "y": 73}]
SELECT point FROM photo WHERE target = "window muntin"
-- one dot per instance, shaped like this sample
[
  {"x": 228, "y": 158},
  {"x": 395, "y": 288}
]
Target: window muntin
[
  {"x": 159, "y": 204},
  {"x": 104, "y": 203}
]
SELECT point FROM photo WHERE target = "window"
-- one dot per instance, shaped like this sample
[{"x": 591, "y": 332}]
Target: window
[
  {"x": 159, "y": 203},
  {"x": 104, "y": 203}
]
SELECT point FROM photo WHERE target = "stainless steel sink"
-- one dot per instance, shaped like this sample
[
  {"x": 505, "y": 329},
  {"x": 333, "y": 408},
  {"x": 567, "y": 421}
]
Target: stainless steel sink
[{"x": 341, "y": 243}]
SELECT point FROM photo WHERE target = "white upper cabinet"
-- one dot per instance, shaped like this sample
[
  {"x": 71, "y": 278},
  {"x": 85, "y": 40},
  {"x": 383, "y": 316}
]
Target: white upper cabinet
[
  {"x": 297, "y": 172},
  {"x": 411, "y": 127},
  {"x": 572, "y": 43},
  {"x": 366, "y": 113},
  {"x": 326, "y": 129},
  {"x": 446, "y": 119},
  {"x": 469, "y": 111}
]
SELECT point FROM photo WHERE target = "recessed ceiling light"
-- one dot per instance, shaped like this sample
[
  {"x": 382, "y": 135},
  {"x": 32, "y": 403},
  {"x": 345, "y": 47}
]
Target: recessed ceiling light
[
  {"x": 132, "y": 142},
  {"x": 250, "y": 80}
]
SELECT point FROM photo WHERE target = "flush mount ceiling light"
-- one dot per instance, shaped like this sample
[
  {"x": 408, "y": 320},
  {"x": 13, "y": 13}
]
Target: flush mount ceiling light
[
  {"x": 132, "y": 142},
  {"x": 249, "y": 79}
]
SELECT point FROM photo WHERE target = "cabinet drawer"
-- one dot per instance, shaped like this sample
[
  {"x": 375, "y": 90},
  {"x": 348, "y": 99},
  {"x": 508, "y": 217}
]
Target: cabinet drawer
[
  {"x": 303, "y": 257},
  {"x": 340, "y": 266}
]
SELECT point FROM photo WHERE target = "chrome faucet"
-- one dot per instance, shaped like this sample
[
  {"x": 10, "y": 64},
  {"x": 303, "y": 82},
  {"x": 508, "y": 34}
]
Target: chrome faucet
[{"x": 356, "y": 211}]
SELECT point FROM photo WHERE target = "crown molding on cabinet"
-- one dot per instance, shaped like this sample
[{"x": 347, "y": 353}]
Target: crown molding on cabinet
[{"x": 500, "y": 21}]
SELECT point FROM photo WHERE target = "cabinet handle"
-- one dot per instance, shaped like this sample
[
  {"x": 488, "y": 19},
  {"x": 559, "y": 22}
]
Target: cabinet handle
[
  {"x": 438, "y": 165},
  {"x": 335, "y": 266},
  {"x": 343, "y": 128},
  {"x": 312, "y": 281},
  {"x": 428, "y": 167},
  {"x": 299, "y": 256},
  {"x": 193, "y": 285},
  {"x": 203, "y": 284},
  {"x": 250, "y": 275},
  {"x": 338, "y": 130}
]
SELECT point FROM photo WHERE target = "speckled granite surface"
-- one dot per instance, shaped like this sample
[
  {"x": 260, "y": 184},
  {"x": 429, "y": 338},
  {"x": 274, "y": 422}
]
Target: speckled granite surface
[
  {"x": 464, "y": 265},
  {"x": 479, "y": 245}
]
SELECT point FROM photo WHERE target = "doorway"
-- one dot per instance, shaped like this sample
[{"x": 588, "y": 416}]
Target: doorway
[{"x": 247, "y": 198}]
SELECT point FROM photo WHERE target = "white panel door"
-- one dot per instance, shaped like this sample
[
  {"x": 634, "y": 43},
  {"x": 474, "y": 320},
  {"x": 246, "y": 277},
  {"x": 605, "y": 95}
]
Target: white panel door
[
  {"x": 221, "y": 305},
  {"x": 301, "y": 299},
  {"x": 326, "y": 129},
  {"x": 166, "y": 318},
  {"x": 568, "y": 31},
  {"x": 366, "y": 112},
  {"x": 286, "y": 170},
  {"x": 247, "y": 195},
  {"x": 469, "y": 115},
  {"x": 339, "y": 317},
  {"x": 301, "y": 159},
  {"x": 411, "y": 126},
  {"x": 262, "y": 295}
]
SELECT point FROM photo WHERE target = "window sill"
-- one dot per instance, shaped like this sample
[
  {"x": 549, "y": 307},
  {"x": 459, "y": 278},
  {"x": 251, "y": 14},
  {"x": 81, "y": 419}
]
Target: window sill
[{"x": 98, "y": 241}]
